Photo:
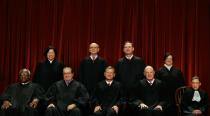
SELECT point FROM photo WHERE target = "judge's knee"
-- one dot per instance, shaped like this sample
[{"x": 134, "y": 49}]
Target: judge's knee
[
  {"x": 50, "y": 109},
  {"x": 9, "y": 110},
  {"x": 75, "y": 111},
  {"x": 98, "y": 113},
  {"x": 111, "y": 112},
  {"x": 30, "y": 109},
  {"x": 158, "y": 112}
]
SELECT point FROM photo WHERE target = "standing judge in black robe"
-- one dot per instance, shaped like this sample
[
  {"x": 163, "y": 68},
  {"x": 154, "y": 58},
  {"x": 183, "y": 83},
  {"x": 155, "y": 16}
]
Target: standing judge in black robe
[
  {"x": 108, "y": 96},
  {"x": 129, "y": 69},
  {"x": 21, "y": 99},
  {"x": 173, "y": 79},
  {"x": 150, "y": 96},
  {"x": 194, "y": 100},
  {"x": 66, "y": 97},
  {"x": 48, "y": 71},
  {"x": 92, "y": 68}
]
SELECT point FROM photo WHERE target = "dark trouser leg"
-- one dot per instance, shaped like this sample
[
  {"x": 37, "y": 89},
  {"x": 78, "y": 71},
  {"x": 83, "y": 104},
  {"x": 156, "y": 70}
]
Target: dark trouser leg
[
  {"x": 42, "y": 107},
  {"x": 149, "y": 112},
  {"x": 110, "y": 112},
  {"x": 145, "y": 112},
  {"x": 128, "y": 110},
  {"x": 29, "y": 111},
  {"x": 52, "y": 112},
  {"x": 9, "y": 112},
  {"x": 157, "y": 113},
  {"x": 75, "y": 112},
  {"x": 99, "y": 113},
  {"x": 190, "y": 114},
  {"x": 168, "y": 111},
  {"x": 2, "y": 112}
]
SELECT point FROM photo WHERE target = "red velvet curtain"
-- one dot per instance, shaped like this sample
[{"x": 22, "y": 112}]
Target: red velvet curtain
[{"x": 27, "y": 27}]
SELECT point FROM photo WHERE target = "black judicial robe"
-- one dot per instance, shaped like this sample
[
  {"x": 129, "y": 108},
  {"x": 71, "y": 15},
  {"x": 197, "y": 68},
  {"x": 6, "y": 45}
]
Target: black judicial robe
[
  {"x": 62, "y": 95},
  {"x": 129, "y": 72},
  {"x": 21, "y": 95},
  {"x": 188, "y": 105},
  {"x": 91, "y": 72},
  {"x": 107, "y": 96},
  {"x": 47, "y": 73},
  {"x": 173, "y": 79},
  {"x": 151, "y": 95}
]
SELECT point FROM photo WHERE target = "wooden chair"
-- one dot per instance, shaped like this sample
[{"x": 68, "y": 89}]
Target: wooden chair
[{"x": 178, "y": 98}]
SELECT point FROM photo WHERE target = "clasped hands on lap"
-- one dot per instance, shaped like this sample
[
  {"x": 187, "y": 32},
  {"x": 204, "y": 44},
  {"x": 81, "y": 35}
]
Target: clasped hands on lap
[
  {"x": 98, "y": 108},
  {"x": 144, "y": 106}
]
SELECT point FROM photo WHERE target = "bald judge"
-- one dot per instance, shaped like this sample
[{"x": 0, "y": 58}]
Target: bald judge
[
  {"x": 150, "y": 98},
  {"x": 92, "y": 68}
]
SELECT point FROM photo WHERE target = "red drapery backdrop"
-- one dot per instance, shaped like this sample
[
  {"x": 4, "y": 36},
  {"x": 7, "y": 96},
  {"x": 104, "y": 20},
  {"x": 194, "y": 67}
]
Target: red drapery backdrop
[{"x": 154, "y": 26}]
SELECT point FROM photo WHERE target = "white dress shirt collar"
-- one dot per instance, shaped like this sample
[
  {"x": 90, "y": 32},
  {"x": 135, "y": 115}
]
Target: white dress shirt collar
[
  {"x": 25, "y": 83},
  {"x": 109, "y": 82},
  {"x": 68, "y": 82},
  {"x": 93, "y": 57},
  {"x": 168, "y": 67},
  {"x": 129, "y": 57},
  {"x": 50, "y": 61},
  {"x": 151, "y": 81},
  {"x": 196, "y": 96}
]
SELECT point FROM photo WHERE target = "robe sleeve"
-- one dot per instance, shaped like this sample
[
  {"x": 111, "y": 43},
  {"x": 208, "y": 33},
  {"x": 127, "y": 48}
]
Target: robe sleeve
[
  {"x": 37, "y": 73},
  {"x": 95, "y": 100},
  {"x": 121, "y": 101},
  {"x": 82, "y": 96},
  {"x": 38, "y": 92},
  {"x": 185, "y": 103},
  {"x": 50, "y": 95},
  {"x": 205, "y": 105},
  {"x": 7, "y": 94}
]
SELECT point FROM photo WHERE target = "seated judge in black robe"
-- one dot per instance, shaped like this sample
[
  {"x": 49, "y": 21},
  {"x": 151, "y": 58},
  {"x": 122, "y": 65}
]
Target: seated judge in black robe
[
  {"x": 150, "y": 97},
  {"x": 108, "y": 96},
  {"x": 173, "y": 79},
  {"x": 66, "y": 97},
  {"x": 91, "y": 68},
  {"x": 21, "y": 99},
  {"x": 194, "y": 100},
  {"x": 48, "y": 71}
]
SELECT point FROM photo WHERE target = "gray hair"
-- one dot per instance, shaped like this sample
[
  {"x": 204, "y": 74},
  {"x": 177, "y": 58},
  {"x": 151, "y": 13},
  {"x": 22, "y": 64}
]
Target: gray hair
[{"x": 195, "y": 77}]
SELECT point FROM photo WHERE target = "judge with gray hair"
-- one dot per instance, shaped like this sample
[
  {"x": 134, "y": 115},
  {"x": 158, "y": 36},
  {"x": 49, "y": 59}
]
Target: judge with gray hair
[
  {"x": 22, "y": 98},
  {"x": 195, "y": 101},
  {"x": 150, "y": 95}
]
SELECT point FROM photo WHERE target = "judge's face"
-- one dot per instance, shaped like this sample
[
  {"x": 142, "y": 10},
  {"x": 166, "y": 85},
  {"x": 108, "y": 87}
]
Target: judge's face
[
  {"x": 24, "y": 76},
  {"x": 196, "y": 84},
  {"x": 109, "y": 74},
  {"x": 94, "y": 48},
  {"x": 149, "y": 73},
  {"x": 51, "y": 54},
  {"x": 128, "y": 49},
  {"x": 67, "y": 74},
  {"x": 169, "y": 60}
]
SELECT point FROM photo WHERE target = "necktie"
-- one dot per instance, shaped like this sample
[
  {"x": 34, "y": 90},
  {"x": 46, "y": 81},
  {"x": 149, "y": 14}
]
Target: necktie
[
  {"x": 93, "y": 58},
  {"x": 150, "y": 83},
  {"x": 196, "y": 96}
]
